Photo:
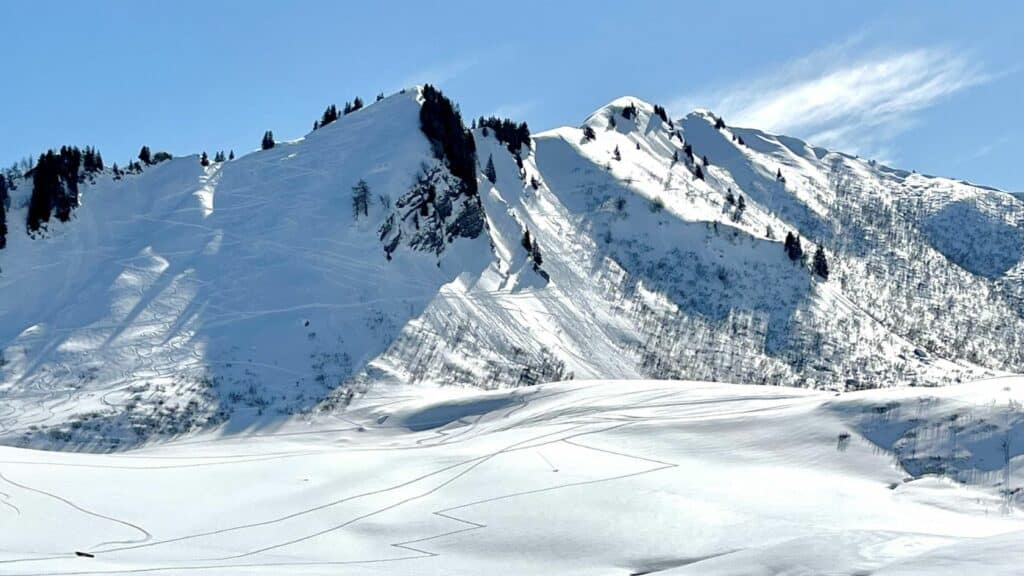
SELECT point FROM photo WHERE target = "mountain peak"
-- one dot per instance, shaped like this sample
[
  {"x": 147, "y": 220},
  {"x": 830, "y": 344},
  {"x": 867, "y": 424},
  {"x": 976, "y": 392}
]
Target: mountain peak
[
  {"x": 601, "y": 116},
  {"x": 389, "y": 249}
]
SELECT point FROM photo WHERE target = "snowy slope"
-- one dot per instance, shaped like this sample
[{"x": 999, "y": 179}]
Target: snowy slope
[
  {"x": 246, "y": 293},
  {"x": 185, "y": 296},
  {"x": 653, "y": 274},
  {"x": 602, "y": 477}
]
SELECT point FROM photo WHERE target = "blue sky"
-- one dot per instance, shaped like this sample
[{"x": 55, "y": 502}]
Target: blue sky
[{"x": 932, "y": 86}]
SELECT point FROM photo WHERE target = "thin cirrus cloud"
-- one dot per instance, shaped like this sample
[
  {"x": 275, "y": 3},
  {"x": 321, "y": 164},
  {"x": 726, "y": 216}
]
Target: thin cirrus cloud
[
  {"x": 515, "y": 110},
  {"x": 853, "y": 104},
  {"x": 440, "y": 73}
]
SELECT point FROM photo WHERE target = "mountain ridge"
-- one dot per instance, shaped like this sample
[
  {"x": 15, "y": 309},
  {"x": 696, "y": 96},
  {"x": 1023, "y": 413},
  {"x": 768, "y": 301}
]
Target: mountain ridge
[{"x": 250, "y": 291}]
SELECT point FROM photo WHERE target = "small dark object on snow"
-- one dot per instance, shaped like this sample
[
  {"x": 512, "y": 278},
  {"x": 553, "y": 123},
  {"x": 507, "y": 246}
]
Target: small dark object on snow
[
  {"x": 84, "y": 554},
  {"x": 844, "y": 441}
]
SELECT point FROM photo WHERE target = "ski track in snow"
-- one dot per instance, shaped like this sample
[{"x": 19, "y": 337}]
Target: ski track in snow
[
  {"x": 468, "y": 465},
  {"x": 145, "y": 535},
  {"x": 600, "y": 419}
]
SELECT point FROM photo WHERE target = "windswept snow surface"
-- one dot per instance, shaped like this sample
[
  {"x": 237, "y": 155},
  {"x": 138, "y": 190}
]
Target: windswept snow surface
[{"x": 589, "y": 478}]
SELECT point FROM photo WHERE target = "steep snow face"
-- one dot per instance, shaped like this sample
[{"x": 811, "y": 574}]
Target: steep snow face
[
  {"x": 187, "y": 296},
  {"x": 654, "y": 271},
  {"x": 935, "y": 261},
  {"x": 242, "y": 293},
  {"x": 599, "y": 477}
]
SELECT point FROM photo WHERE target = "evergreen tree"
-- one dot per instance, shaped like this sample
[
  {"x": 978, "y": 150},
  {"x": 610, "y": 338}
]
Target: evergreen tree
[
  {"x": 821, "y": 263},
  {"x": 513, "y": 135},
  {"x": 268, "y": 140},
  {"x": 45, "y": 189},
  {"x": 588, "y": 134},
  {"x": 204, "y": 160},
  {"x": 329, "y": 115},
  {"x": 380, "y": 97},
  {"x": 779, "y": 177},
  {"x": 527, "y": 242},
  {"x": 145, "y": 156},
  {"x": 441, "y": 123},
  {"x": 616, "y": 154},
  {"x": 741, "y": 207},
  {"x": 489, "y": 171},
  {"x": 534, "y": 183},
  {"x": 231, "y": 155},
  {"x": 351, "y": 107},
  {"x": 792, "y": 247},
  {"x": 729, "y": 197},
  {"x": 719, "y": 123},
  {"x": 3, "y": 211},
  {"x": 698, "y": 173},
  {"x": 535, "y": 255},
  {"x": 89, "y": 160},
  {"x": 705, "y": 160},
  {"x": 54, "y": 186},
  {"x": 360, "y": 199}
]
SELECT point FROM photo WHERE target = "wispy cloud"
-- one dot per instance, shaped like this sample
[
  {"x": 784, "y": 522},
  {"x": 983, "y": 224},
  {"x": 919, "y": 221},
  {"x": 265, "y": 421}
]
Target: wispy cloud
[
  {"x": 840, "y": 99},
  {"x": 440, "y": 73},
  {"x": 982, "y": 151},
  {"x": 515, "y": 111}
]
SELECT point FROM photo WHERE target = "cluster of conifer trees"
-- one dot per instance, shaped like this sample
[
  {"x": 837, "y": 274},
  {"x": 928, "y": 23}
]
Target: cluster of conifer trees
[
  {"x": 331, "y": 112},
  {"x": 4, "y": 201},
  {"x": 819, "y": 264},
  {"x": 441, "y": 123},
  {"x": 533, "y": 249},
  {"x": 55, "y": 180},
  {"x": 660, "y": 112},
  {"x": 513, "y": 136}
]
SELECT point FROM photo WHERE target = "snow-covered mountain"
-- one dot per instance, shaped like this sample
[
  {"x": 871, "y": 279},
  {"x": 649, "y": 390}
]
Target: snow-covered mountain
[{"x": 247, "y": 291}]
